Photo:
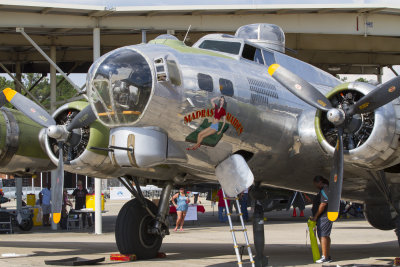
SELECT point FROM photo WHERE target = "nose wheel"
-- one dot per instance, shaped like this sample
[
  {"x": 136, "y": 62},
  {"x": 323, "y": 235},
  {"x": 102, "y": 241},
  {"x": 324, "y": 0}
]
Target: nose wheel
[
  {"x": 132, "y": 230},
  {"x": 141, "y": 225}
]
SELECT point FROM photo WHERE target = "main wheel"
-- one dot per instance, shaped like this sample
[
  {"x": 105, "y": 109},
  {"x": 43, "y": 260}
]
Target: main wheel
[{"x": 131, "y": 230}]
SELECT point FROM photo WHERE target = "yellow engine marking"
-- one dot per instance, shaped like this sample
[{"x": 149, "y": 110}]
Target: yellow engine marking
[{"x": 126, "y": 112}]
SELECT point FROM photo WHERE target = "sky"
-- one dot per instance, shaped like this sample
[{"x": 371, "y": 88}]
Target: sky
[{"x": 115, "y": 3}]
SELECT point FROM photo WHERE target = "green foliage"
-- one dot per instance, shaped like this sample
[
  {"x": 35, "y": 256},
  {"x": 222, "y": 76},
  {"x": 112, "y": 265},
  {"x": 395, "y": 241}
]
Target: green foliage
[
  {"x": 42, "y": 90},
  {"x": 361, "y": 79},
  {"x": 4, "y": 83}
]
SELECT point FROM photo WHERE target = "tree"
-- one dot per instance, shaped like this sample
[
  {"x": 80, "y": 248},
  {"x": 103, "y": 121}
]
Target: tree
[
  {"x": 4, "y": 83},
  {"x": 41, "y": 91},
  {"x": 361, "y": 79}
]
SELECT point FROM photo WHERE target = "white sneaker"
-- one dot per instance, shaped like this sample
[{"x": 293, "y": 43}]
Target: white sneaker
[{"x": 323, "y": 260}]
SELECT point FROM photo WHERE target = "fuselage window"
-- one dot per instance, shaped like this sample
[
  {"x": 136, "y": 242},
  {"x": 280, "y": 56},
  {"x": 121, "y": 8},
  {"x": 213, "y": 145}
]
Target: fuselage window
[
  {"x": 252, "y": 53},
  {"x": 269, "y": 57},
  {"x": 258, "y": 57},
  {"x": 221, "y": 46},
  {"x": 205, "y": 82},
  {"x": 226, "y": 87}
]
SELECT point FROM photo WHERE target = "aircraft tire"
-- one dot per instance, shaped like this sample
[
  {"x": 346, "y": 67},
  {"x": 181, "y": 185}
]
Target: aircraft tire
[
  {"x": 131, "y": 230},
  {"x": 380, "y": 216}
]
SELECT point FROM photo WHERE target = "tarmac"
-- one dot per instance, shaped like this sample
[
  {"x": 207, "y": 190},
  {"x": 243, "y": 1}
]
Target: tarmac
[{"x": 205, "y": 242}]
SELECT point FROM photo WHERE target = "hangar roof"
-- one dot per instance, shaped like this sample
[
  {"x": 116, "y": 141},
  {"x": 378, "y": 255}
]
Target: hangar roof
[
  {"x": 341, "y": 38},
  {"x": 98, "y": 10}
]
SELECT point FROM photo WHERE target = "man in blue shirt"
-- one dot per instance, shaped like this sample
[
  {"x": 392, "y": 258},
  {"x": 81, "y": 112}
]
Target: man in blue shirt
[
  {"x": 44, "y": 199},
  {"x": 319, "y": 212}
]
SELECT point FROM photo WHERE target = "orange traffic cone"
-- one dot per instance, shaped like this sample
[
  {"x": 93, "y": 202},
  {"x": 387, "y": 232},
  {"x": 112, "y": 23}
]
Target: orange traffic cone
[
  {"x": 302, "y": 213},
  {"x": 294, "y": 212}
]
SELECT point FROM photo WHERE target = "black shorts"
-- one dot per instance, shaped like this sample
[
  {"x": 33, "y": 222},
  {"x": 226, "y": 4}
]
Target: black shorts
[{"x": 324, "y": 226}]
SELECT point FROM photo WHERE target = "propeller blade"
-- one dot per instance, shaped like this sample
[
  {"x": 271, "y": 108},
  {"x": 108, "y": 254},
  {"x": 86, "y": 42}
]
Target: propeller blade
[
  {"x": 299, "y": 87},
  {"x": 28, "y": 107},
  {"x": 56, "y": 201},
  {"x": 85, "y": 117},
  {"x": 336, "y": 179},
  {"x": 379, "y": 97}
]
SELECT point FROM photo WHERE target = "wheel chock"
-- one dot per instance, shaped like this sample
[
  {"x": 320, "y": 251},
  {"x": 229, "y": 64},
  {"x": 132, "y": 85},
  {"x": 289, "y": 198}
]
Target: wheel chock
[
  {"x": 161, "y": 255},
  {"x": 122, "y": 257}
]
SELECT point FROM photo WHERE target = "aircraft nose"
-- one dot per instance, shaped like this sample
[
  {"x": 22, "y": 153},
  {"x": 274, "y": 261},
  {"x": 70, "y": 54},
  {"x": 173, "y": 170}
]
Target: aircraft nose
[{"x": 119, "y": 87}]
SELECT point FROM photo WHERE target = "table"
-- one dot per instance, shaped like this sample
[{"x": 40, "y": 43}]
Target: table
[
  {"x": 200, "y": 208},
  {"x": 73, "y": 220},
  {"x": 190, "y": 215}
]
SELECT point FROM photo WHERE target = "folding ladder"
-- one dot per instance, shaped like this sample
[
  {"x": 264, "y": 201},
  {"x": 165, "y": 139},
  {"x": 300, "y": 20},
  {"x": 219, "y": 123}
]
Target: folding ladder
[{"x": 233, "y": 230}]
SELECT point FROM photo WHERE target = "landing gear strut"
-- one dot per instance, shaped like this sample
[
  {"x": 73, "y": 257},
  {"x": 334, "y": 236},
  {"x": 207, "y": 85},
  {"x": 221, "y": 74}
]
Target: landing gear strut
[
  {"x": 141, "y": 226},
  {"x": 258, "y": 195}
]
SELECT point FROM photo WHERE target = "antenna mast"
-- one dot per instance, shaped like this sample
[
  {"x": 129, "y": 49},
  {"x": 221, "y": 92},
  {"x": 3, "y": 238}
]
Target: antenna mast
[{"x": 184, "y": 39}]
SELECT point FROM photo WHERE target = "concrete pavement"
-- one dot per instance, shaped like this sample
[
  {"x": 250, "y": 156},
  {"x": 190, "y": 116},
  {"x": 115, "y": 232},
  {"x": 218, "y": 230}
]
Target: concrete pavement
[{"x": 206, "y": 243}]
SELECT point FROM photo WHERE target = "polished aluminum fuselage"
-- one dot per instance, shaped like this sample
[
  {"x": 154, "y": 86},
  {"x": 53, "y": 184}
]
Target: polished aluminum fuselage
[
  {"x": 278, "y": 130},
  {"x": 270, "y": 125}
]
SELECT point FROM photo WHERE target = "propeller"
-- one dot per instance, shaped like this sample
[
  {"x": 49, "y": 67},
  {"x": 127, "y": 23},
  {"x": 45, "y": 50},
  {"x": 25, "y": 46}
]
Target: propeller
[
  {"x": 340, "y": 118},
  {"x": 59, "y": 132},
  {"x": 85, "y": 117}
]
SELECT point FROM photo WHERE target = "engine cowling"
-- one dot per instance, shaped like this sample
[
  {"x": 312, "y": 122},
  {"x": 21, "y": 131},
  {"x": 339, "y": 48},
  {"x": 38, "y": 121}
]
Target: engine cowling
[
  {"x": 372, "y": 140},
  {"x": 79, "y": 157},
  {"x": 20, "y": 149}
]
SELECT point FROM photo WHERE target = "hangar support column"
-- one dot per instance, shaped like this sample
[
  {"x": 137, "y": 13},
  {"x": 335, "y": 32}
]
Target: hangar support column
[
  {"x": 98, "y": 227},
  {"x": 379, "y": 76},
  {"x": 18, "y": 75},
  {"x": 53, "y": 80},
  {"x": 18, "y": 192}
]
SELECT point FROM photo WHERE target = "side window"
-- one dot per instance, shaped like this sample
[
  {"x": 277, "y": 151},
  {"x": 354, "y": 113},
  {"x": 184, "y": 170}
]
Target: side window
[
  {"x": 205, "y": 82},
  {"x": 258, "y": 57},
  {"x": 226, "y": 87},
  {"x": 252, "y": 53},
  {"x": 269, "y": 57}
]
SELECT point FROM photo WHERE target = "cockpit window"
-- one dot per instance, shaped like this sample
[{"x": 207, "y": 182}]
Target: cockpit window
[
  {"x": 221, "y": 46},
  {"x": 120, "y": 87},
  {"x": 252, "y": 53}
]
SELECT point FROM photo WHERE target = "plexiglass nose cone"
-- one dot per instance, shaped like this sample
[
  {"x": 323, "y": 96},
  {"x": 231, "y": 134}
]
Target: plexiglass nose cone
[{"x": 119, "y": 87}]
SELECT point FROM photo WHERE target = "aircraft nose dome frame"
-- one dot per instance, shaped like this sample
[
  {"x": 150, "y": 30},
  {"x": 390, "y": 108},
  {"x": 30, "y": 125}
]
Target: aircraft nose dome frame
[{"x": 120, "y": 85}]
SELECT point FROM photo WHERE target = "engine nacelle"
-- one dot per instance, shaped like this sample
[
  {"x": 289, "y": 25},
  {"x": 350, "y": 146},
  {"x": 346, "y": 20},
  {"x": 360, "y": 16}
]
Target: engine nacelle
[
  {"x": 79, "y": 157},
  {"x": 20, "y": 149},
  {"x": 373, "y": 141}
]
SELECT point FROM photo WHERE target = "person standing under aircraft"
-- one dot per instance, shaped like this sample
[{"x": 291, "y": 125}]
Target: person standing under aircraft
[
  {"x": 44, "y": 200},
  {"x": 319, "y": 211},
  {"x": 80, "y": 202},
  {"x": 222, "y": 213},
  {"x": 180, "y": 201},
  {"x": 244, "y": 196}
]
